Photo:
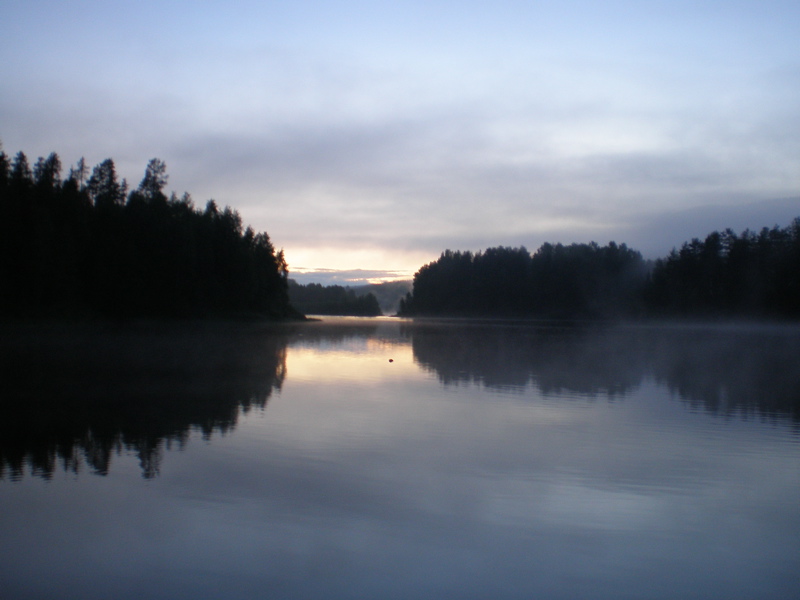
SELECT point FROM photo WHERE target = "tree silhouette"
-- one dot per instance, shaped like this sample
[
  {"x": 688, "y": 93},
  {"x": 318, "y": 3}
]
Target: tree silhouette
[
  {"x": 752, "y": 274},
  {"x": 70, "y": 248},
  {"x": 104, "y": 188},
  {"x": 332, "y": 300},
  {"x": 732, "y": 275},
  {"x": 154, "y": 180},
  {"x": 580, "y": 280},
  {"x": 47, "y": 172}
]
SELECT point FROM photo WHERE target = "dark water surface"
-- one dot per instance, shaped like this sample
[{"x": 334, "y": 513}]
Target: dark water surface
[{"x": 356, "y": 458}]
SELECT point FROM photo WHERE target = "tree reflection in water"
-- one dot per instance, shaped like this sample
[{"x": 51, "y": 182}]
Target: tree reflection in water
[
  {"x": 73, "y": 395},
  {"x": 725, "y": 370}
]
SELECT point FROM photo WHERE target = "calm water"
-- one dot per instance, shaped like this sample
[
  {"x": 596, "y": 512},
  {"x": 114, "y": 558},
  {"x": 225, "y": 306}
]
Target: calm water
[{"x": 388, "y": 459}]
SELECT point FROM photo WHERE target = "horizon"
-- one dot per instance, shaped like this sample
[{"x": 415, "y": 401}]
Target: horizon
[
  {"x": 702, "y": 221},
  {"x": 696, "y": 222}
]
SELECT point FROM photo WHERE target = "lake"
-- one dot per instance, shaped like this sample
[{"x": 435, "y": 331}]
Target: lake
[{"x": 388, "y": 458}]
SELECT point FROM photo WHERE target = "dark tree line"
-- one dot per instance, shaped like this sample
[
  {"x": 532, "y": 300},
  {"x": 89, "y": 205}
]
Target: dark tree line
[
  {"x": 751, "y": 274},
  {"x": 316, "y": 299},
  {"x": 86, "y": 245},
  {"x": 729, "y": 275},
  {"x": 557, "y": 281}
]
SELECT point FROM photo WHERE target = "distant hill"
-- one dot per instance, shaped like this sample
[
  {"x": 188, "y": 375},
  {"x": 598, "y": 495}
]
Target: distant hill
[
  {"x": 316, "y": 299},
  {"x": 364, "y": 300},
  {"x": 388, "y": 294}
]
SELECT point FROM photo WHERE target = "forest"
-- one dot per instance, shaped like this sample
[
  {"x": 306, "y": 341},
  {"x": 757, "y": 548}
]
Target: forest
[
  {"x": 727, "y": 275},
  {"x": 316, "y": 299},
  {"x": 87, "y": 246}
]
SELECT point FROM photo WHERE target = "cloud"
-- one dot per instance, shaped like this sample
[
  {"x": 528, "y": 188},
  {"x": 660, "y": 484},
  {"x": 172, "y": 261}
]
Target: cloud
[{"x": 355, "y": 132}]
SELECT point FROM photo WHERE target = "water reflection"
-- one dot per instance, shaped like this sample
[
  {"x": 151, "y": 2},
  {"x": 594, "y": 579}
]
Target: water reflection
[
  {"x": 723, "y": 370},
  {"x": 556, "y": 359},
  {"x": 743, "y": 372},
  {"x": 73, "y": 395},
  {"x": 465, "y": 468},
  {"x": 333, "y": 332}
]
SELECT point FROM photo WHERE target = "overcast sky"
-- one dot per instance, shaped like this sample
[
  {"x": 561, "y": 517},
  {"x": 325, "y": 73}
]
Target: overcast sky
[{"x": 373, "y": 135}]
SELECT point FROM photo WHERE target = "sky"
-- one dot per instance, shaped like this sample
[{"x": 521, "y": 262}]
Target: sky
[{"x": 367, "y": 137}]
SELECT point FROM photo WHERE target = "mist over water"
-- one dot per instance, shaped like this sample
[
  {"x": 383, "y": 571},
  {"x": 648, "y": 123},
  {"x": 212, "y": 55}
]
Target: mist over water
[{"x": 363, "y": 458}]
